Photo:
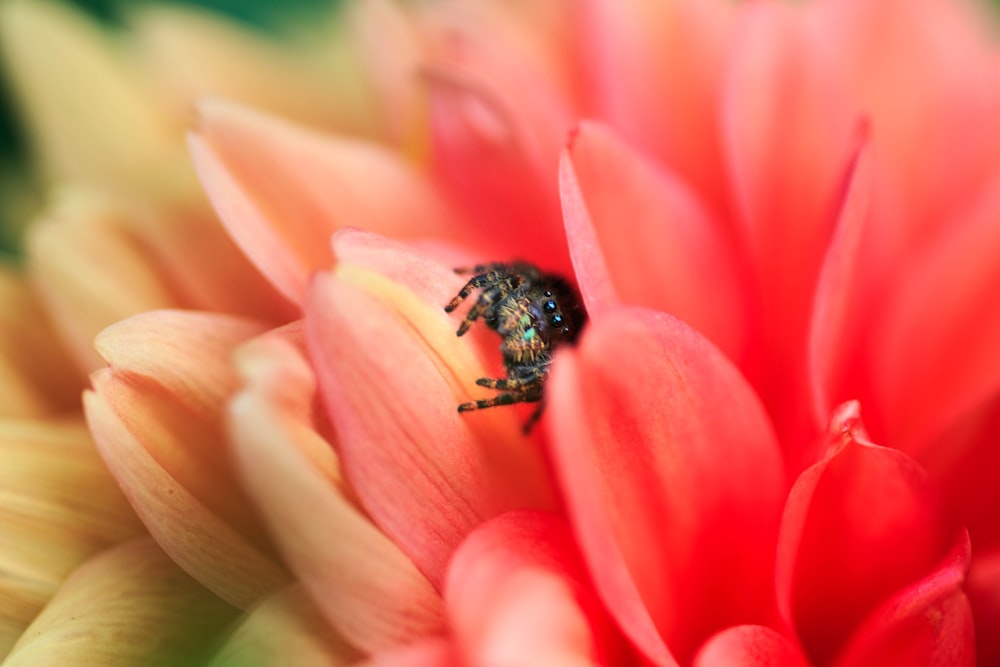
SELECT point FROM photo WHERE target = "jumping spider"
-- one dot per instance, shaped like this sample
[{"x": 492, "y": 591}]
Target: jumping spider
[{"x": 534, "y": 312}]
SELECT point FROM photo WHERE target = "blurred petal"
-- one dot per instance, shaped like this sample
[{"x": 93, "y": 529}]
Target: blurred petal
[
  {"x": 281, "y": 190},
  {"x": 391, "y": 72},
  {"x": 70, "y": 82},
  {"x": 392, "y": 372},
  {"x": 835, "y": 327},
  {"x": 283, "y": 630},
  {"x": 360, "y": 581},
  {"x": 127, "y": 606},
  {"x": 674, "y": 252},
  {"x": 927, "y": 624},
  {"x": 428, "y": 653},
  {"x": 191, "y": 52},
  {"x": 91, "y": 269},
  {"x": 510, "y": 193},
  {"x": 941, "y": 293},
  {"x": 157, "y": 415},
  {"x": 639, "y": 445},
  {"x": 983, "y": 588},
  {"x": 673, "y": 113},
  {"x": 750, "y": 646},
  {"x": 60, "y": 506},
  {"x": 859, "y": 526},
  {"x": 517, "y": 596},
  {"x": 786, "y": 132},
  {"x": 36, "y": 373}
]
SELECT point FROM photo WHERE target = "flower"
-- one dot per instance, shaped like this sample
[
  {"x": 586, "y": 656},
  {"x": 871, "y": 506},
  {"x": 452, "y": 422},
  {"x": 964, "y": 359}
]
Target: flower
[{"x": 735, "y": 189}]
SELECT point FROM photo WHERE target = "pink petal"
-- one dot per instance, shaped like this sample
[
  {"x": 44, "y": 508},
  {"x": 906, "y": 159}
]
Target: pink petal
[
  {"x": 281, "y": 190},
  {"x": 360, "y": 581},
  {"x": 927, "y": 624},
  {"x": 859, "y": 526},
  {"x": 750, "y": 646},
  {"x": 509, "y": 194},
  {"x": 517, "y": 596},
  {"x": 787, "y": 137},
  {"x": 946, "y": 294},
  {"x": 435, "y": 652},
  {"x": 835, "y": 327},
  {"x": 673, "y": 479},
  {"x": 670, "y": 254},
  {"x": 672, "y": 114},
  {"x": 391, "y": 372}
]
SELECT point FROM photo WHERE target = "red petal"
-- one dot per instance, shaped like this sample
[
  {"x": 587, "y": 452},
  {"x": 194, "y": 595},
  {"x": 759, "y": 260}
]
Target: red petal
[
  {"x": 750, "y": 646},
  {"x": 671, "y": 252},
  {"x": 517, "y": 595},
  {"x": 858, "y": 527},
  {"x": 835, "y": 328},
  {"x": 946, "y": 296},
  {"x": 281, "y": 190},
  {"x": 672, "y": 476},
  {"x": 787, "y": 135},
  {"x": 673, "y": 113},
  {"x": 391, "y": 373},
  {"x": 983, "y": 588},
  {"x": 928, "y": 624},
  {"x": 509, "y": 194}
]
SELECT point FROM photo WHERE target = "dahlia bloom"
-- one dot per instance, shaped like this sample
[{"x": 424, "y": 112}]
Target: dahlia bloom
[{"x": 774, "y": 442}]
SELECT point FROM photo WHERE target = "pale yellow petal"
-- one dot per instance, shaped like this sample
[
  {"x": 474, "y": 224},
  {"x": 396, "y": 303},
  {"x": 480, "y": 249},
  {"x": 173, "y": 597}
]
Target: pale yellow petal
[
  {"x": 284, "y": 629},
  {"x": 90, "y": 115},
  {"x": 128, "y": 606},
  {"x": 58, "y": 506},
  {"x": 91, "y": 269},
  {"x": 37, "y": 376},
  {"x": 205, "y": 546}
]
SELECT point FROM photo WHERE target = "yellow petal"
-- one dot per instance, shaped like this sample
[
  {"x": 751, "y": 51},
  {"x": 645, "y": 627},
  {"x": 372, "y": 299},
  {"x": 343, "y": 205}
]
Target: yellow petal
[
  {"x": 284, "y": 629},
  {"x": 91, "y": 269},
  {"x": 71, "y": 83},
  {"x": 127, "y": 606},
  {"x": 58, "y": 506},
  {"x": 37, "y": 376}
]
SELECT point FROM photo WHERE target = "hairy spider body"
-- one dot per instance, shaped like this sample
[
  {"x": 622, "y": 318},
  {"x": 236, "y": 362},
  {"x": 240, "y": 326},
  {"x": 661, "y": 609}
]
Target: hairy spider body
[{"x": 534, "y": 312}]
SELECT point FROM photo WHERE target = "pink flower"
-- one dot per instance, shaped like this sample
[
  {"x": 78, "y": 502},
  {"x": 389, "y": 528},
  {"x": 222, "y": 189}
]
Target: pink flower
[{"x": 777, "y": 222}]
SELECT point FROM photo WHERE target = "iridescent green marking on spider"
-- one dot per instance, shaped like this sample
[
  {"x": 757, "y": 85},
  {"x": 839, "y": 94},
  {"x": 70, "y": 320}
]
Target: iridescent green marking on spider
[{"x": 530, "y": 334}]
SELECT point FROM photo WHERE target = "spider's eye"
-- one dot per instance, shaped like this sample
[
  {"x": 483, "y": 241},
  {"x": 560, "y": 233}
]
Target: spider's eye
[
  {"x": 549, "y": 306},
  {"x": 556, "y": 320}
]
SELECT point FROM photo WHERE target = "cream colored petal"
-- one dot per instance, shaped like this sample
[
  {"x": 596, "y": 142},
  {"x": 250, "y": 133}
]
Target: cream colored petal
[
  {"x": 71, "y": 80},
  {"x": 37, "y": 376},
  {"x": 58, "y": 506},
  {"x": 91, "y": 269},
  {"x": 191, "y": 52},
  {"x": 361, "y": 582},
  {"x": 284, "y": 629},
  {"x": 128, "y": 606},
  {"x": 206, "y": 547}
]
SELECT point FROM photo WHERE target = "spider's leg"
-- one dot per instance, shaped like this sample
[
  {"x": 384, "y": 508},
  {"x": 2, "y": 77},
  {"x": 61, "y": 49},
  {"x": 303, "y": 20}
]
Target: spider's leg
[
  {"x": 481, "y": 281},
  {"x": 533, "y": 419},
  {"x": 509, "y": 398}
]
